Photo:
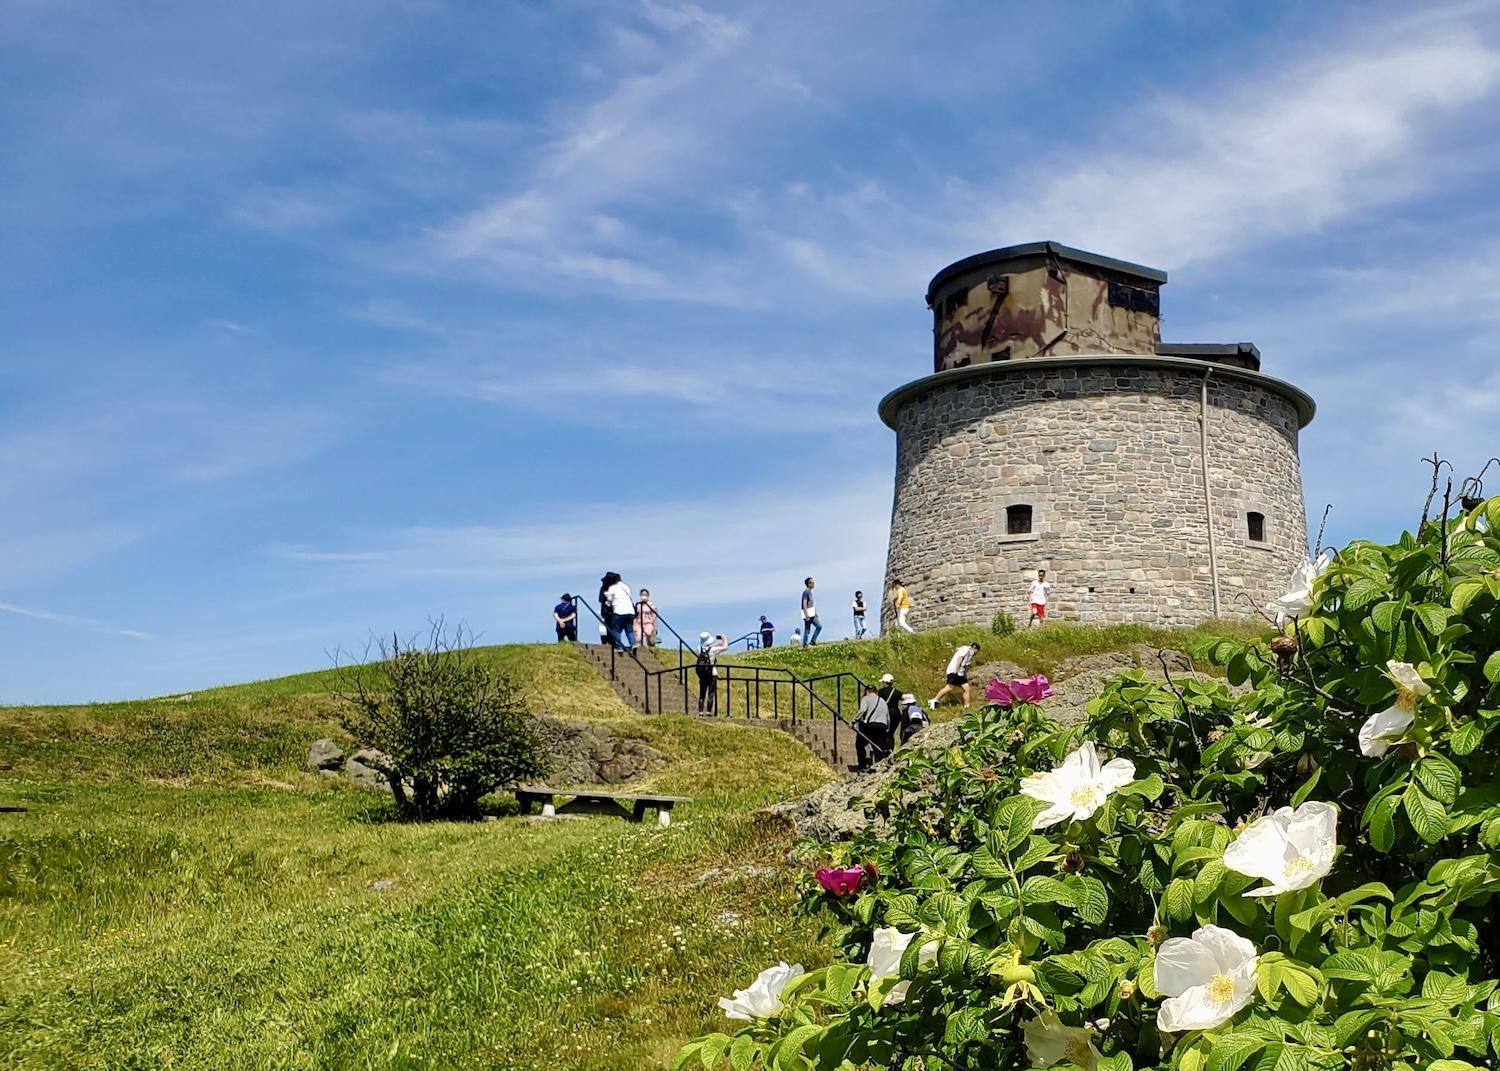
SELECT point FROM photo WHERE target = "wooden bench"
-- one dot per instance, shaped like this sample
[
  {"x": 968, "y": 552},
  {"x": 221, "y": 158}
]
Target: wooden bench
[{"x": 631, "y": 806}]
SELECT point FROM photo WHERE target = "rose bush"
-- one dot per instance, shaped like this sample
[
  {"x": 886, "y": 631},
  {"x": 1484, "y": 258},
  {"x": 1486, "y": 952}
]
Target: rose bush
[{"x": 1300, "y": 876}]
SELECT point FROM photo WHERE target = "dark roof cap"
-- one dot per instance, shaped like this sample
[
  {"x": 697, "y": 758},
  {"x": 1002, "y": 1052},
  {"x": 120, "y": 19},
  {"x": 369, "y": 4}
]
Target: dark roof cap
[
  {"x": 1208, "y": 349},
  {"x": 1043, "y": 249}
]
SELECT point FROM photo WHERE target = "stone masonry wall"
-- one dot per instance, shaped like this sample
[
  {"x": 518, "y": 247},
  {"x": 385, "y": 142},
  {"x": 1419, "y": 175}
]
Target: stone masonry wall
[{"x": 1108, "y": 458}]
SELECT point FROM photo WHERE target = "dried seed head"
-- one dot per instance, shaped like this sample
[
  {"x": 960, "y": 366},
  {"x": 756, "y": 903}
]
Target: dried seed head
[
  {"x": 1283, "y": 647},
  {"x": 1156, "y": 934},
  {"x": 1072, "y": 863}
]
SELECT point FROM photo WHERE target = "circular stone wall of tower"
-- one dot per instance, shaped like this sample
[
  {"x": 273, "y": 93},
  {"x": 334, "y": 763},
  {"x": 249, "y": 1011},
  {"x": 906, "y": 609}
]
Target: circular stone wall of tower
[{"x": 1092, "y": 468}]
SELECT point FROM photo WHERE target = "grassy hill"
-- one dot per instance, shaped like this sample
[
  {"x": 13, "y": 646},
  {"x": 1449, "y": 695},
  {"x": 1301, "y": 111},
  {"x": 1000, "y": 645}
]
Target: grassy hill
[{"x": 181, "y": 893}]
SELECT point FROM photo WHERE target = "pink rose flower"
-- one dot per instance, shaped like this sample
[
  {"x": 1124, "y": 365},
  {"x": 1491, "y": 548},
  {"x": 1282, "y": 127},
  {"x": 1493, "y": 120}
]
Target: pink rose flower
[
  {"x": 999, "y": 693},
  {"x": 840, "y": 882},
  {"x": 1032, "y": 689}
]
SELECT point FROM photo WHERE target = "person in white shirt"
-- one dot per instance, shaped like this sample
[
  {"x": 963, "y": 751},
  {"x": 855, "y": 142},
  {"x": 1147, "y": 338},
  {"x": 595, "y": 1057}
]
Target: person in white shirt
[
  {"x": 616, "y": 595},
  {"x": 1039, "y": 589},
  {"x": 957, "y": 674}
]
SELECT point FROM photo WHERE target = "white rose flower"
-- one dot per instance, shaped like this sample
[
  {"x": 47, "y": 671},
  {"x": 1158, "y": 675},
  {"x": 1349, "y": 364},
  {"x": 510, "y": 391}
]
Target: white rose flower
[
  {"x": 1298, "y": 599},
  {"x": 1049, "y": 1042},
  {"x": 1078, "y": 787},
  {"x": 1388, "y": 726},
  {"x": 763, "y": 999},
  {"x": 1382, "y": 729},
  {"x": 1290, "y": 849},
  {"x": 886, "y": 950},
  {"x": 1409, "y": 684},
  {"x": 1207, "y": 977}
]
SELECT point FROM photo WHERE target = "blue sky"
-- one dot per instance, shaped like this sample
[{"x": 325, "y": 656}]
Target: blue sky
[{"x": 318, "y": 318}]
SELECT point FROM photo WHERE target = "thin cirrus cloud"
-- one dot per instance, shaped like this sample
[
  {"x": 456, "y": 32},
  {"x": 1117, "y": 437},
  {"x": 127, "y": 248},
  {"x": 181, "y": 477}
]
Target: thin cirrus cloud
[
  {"x": 71, "y": 621},
  {"x": 1334, "y": 134}
]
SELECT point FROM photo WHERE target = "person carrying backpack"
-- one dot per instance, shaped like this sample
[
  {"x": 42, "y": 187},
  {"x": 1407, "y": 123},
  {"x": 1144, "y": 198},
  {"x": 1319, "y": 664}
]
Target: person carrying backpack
[
  {"x": 707, "y": 668},
  {"x": 913, "y": 718},
  {"x": 872, "y": 729}
]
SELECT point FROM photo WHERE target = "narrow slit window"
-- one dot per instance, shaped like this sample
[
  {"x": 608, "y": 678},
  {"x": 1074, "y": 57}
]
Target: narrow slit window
[
  {"x": 1017, "y": 520},
  {"x": 1255, "y": 526}
]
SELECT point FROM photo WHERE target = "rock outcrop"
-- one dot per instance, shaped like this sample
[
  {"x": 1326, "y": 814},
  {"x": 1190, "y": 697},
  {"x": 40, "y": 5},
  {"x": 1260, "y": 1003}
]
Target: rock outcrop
[
  {"x": 582, "y": 753},
  {"x": 832, "y": 813}
]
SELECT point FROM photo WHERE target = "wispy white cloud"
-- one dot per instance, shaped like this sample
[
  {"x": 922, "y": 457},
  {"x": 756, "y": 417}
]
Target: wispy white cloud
[
  {"x": 73, "y": 622},
  {"x": 692, "y": 552},
  {"x": 1323, "y": 135}
]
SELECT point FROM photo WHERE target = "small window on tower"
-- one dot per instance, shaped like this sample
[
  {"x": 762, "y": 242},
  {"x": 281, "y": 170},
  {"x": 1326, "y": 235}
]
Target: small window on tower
[
  {"x": 1255, "y": 526},
  {"x": 1017, "y": 520}
]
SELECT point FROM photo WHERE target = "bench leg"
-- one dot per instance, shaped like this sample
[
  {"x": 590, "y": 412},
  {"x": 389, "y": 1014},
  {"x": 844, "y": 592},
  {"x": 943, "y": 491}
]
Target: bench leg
[
  {"x": 664, "y": 816},
  {"x": 639, "y": 813}
]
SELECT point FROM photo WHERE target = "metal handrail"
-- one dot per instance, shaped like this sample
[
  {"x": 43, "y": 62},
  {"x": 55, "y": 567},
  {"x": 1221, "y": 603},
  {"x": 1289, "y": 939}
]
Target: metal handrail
[
  {"x": 753, "y": 677},
  {"x": 750, "y": 677}
]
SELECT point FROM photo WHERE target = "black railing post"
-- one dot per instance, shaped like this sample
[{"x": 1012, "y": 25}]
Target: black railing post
[{"x": 757, "y": 691}]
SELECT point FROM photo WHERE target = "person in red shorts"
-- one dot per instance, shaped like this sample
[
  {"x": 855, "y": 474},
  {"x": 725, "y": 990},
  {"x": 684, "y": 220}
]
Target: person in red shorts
[{"x": 1039, "y": 589}]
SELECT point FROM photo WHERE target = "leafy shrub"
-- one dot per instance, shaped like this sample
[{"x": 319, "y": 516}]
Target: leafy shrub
[
  {"x": 1002, "y": 624},
  {"x": 451, "y": 729},
  {"x": 1302, "y": 876}
]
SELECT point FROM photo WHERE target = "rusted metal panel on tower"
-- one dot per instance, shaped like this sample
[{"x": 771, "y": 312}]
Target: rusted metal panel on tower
[{"x": 1045, "y": 311}]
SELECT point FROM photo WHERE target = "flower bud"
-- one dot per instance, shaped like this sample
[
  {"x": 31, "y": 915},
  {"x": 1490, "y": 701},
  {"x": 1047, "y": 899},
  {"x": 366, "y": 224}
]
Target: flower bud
[
  {"x": 1072, "y": 863},
  {"x": 871, "y": 870},
  {"x": 1156, "y": 934},
  {"x": 1127, "y": 989}
]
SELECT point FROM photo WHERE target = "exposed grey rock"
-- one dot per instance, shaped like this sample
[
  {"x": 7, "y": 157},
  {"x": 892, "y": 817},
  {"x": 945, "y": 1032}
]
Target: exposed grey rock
[
  {"x": 325, "y": 755},
  {"x": 832, "y": 812},
  {"x": 728, "y": 920},
  {"x": 584, "y": 753},
  {"x": 362, "y": 774},
  {"x": 383, "y": 884}
]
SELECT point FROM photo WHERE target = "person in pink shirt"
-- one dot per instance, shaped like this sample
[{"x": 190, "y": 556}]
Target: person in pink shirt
[{"x": 645, "y": 619}]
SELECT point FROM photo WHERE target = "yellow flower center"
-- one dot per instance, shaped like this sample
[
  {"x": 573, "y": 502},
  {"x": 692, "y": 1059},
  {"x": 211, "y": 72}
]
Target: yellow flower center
[
  {"x": 1078, "y": 1052},
  {"x": 1220, "y": 989},
  {"x": 1406, "y": 699},
  {"x": 1300, "y": 865},
  {"x": 1084, "y": 796}
]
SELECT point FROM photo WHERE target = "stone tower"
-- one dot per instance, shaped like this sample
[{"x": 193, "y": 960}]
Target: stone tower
[{"x": 1155, "y": 482}]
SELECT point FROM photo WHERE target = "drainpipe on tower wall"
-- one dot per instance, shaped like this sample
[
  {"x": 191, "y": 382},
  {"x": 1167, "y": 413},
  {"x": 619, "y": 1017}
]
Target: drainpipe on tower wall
[{"x": 1208, "y": 495}]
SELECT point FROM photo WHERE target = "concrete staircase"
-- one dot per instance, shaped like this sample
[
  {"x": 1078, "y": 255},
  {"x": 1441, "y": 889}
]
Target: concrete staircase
[{"x": 630, "y": 681}]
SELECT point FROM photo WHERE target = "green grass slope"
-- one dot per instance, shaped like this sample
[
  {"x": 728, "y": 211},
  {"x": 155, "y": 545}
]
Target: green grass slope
[
  {"x": 917, "y": 660},
  {"x": 181, "y": 894}
]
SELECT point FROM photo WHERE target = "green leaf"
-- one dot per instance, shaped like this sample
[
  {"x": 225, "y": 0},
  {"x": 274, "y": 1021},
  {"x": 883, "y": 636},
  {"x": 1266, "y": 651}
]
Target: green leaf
[
  {"x": 1492, "y": 667},
  {"x": 1433, "y": 618},
  {"x": 1014, "y": 817},
  {"x": 1300, "y": 796},
  {"x": 1041, "y": 889},
  {"x": 1385, "y": 614},
  {"x": 1439, "y": 777},
  {"x": 713, "y": 1047},
  {"x": 1464, "y": 593},
  {"x": 1363, "y": 592},
  {"x": 1300, "y": 984},
  {"x": 965, "y": 1025},
  {"x": 1428, "y": 817},
  {"x": 1091, "y": 898},
  {"x": 988, "y": 862},
  {"x": 742, "y": 1052},
  {"x": 1467, "y": 737},
  {"x": 1231, "y": 1051},
  {"x": 1178, "y": 901},
  {"x": 1381, "y": 819}
]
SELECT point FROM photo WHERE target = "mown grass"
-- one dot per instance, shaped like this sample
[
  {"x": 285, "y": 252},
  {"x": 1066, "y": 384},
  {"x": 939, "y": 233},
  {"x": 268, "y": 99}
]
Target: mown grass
[{"x": 181, "y": 895}]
